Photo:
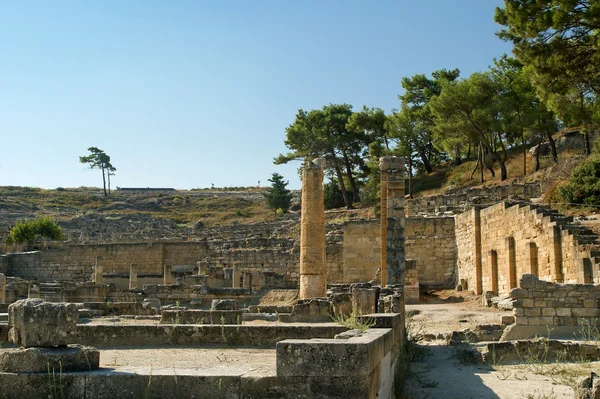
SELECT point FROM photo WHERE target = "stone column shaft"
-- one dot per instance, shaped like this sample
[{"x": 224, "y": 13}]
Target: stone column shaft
[
  {"x": 383, "y": 227},
  {"x": 235, "y": 277},
  {"x": 313, "y": 277},
  {"x": 393, "y": 168},
  {"x": 133, "y": 277},
  {"x": 2, "y": 288},
  {"x": 98, "y": 270},
  {"x": 167, "y": 275}
]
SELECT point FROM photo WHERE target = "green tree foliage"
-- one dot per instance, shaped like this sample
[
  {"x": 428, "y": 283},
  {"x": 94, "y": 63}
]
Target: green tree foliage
[
  {"x": 30, "y": 231},
  {"x": 332, "y": 195},
  {"x": 278, "y": 196},
  {"x": 559, "y": 40},
  {"x": 418, "y": 92},
  {"x": 98, "y": 159},
  {"x": 325, "y": 133}
]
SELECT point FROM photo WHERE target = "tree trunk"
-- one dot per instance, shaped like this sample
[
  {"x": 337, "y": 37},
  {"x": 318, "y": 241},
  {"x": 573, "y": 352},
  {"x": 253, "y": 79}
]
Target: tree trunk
[
  {"x": 341, "y": 183},
  {"x": 469, "y": 152},
  {"x": 409, "y": 159},
  {"x": 486, "y": 150},
  {"x": 425, "y": 160},
  {"x": 524, "y": 151},
  {"x": 457, "y": 157},
  {"x": 355, "y": 193},
  {"x": 552, "y": 147},
  {"x": 502, "y": 160},
  {"x": 481, "y": 161},
  {"x": 537, "y": 154},
  {"x": 103, "y": 181},
  {"x": 108, "y": 176}
]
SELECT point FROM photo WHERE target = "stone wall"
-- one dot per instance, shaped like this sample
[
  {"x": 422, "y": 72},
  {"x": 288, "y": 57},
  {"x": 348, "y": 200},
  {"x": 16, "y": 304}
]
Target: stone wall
[
  {"x": 352, "y": 256},
  {"x": 457, "y": 201},
  {"x": 517, "y": 239},
  {"x": 546, "y": 308},
  {"x": 431, "y": 242}
]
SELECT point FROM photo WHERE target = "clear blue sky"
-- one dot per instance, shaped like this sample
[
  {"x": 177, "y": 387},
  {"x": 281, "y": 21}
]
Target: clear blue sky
[{"x": 188, "y": 93}]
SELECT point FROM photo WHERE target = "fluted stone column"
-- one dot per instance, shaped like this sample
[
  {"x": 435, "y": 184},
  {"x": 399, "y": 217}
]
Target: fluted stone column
[
  {"x": 168, "y": 275},
  {"x": 98, "y": 270},
  {"x": 313, "y": 277},
  {"x": 2, "y": 288},
  {"x": 393, "y": 269},
  {"x": 133, "y": 277},
  {"x": 235, "y": 277}
]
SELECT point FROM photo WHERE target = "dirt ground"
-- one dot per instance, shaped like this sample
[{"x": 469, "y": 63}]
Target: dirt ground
[
  {"x": 191, "y": 361},
  {"x": 445, "y": 373}
]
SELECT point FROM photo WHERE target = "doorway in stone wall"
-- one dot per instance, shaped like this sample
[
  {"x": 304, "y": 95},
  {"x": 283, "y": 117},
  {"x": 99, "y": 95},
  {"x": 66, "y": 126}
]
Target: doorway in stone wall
[
  {"x": 494, "y": 277},
  {"x": 512, "y": 262},
  {"x": 533, "y": 259}
]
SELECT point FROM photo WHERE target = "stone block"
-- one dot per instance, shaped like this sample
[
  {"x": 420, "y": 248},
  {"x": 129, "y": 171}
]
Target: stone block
[
  {"x": 35, "y": 322},
  {"x": 43, "y": 360},
  {"x": 532, "y": 311},
  {"x": 364, "y": 300},
  {"x": 527, "y": 303},
  {"x": 224, "y": 304},
  {"x": 548, "y": 312},
  {"x": 311, "y": 310},
  {"x": 590, "y": 303},
  {"x": 534, "y": 321},
  {"x": 563, "y": 312},
  {"x": 517, "y": 293},
  {"x": 341, "y": 304},
  {"x": 585, "y": 312}
]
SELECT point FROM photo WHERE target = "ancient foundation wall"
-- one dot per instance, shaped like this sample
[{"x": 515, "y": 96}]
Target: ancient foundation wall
[
  {"x": 543, "y": 308},
  {"x": 515, "y": 240}
]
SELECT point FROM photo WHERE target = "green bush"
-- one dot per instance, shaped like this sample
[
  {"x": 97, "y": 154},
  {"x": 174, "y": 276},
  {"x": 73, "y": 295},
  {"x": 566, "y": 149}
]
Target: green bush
[
  {"x": 278, "y": 196},
  {"x": 40, "y": 228},
  {"x": 584, "y": 185},
  {"x": 332, "y": 195}
]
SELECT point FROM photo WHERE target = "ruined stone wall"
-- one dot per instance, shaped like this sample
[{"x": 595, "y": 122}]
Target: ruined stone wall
[
  {"x": 465, "y": 248},
  {"x": 431, "y": 242},
  {"x": 361, "y": 254},
  {"x": 540, "y": 303},
  {"x": 516, "y": 240},
  {"x": 461, "y": 200},
  {"x": 74, "y": 262}
]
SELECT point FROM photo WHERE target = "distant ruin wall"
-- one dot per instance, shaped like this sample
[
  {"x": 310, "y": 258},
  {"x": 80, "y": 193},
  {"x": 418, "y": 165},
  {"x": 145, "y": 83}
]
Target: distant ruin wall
[
  {"x": 429, "y": 241},
  {"x": 516, "y": 240},
  {"x": 74, "y": 262},
  {"x": 352, "y": 256},
  {"x": 461, "y": 200}
]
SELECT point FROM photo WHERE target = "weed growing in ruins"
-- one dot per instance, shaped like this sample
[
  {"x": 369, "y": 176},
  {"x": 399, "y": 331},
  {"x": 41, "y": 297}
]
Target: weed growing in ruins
[
  {"x": 411, "y": 351},
  {"x": 539, "y": 395},
  {"x": 353, "y": 322},
  {"x": 147, "y": 393},
  {"x": 590, "y": 332},
  {"x": 55, "y": 388}
]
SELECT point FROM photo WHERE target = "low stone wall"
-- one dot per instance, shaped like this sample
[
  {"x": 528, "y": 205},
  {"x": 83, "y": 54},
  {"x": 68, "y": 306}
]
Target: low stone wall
[
  {"x": 543, "y": 308},
  {"x": 147, "y": 335}
]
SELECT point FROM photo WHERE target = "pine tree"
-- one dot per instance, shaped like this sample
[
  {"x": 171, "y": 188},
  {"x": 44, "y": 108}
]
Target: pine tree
[{"x": 278, "y": 196}]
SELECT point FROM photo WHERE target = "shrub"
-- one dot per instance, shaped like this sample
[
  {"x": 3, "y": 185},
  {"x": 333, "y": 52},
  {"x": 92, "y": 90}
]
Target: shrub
[
  {"x": 40, "y": 228},
  {"x": 584, "y": 185}
]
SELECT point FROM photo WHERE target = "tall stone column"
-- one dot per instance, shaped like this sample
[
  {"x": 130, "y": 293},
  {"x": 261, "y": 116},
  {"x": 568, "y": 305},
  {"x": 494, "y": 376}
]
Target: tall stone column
[
  {"x": 167, "y": 275},
  {"x": 393, "y": 268},
  {"x": 313, "y": 277},
  {"x": 98, "y": 270},
  {"x": 2, "y": 288},
  {"x": 133, "y": 277},
  {"x": 235, "y": 277},
  {"x": 383, "y": 224}
]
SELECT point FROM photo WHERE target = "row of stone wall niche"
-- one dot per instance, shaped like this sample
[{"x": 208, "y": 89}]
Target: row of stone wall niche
[{"x": 499, "y": 243}]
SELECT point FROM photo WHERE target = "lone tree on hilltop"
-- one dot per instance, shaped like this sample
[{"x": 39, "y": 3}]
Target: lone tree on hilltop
[
  {"x": 98, "y": 159},
  {"x": 30, "y": 231},
  {"x": 278, "y": 196}
]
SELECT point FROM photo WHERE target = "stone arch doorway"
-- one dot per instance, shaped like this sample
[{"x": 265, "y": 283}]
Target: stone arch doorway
[{"x": 512, "y": 262}]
